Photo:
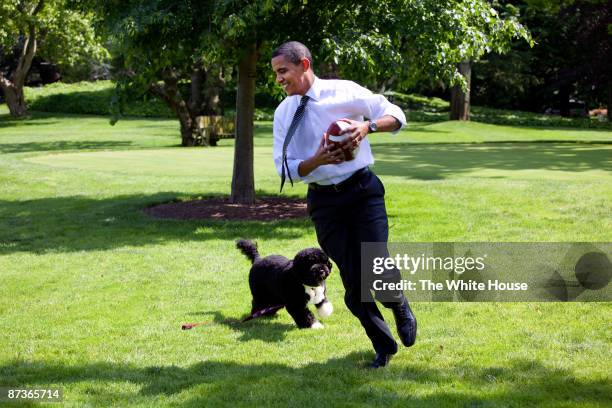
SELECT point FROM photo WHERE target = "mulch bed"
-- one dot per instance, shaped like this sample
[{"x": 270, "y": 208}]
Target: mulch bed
[{"x": 264, "y": 209}]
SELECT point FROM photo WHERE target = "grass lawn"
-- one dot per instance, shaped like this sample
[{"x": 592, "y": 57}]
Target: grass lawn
[{"x": 94, "y": 292}]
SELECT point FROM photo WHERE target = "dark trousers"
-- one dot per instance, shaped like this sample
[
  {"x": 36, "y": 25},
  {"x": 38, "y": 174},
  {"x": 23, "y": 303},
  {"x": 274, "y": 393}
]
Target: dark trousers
[{"x": 343, "y": 220}]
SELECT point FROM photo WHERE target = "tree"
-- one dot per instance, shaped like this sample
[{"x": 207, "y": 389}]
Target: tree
[
  {"x": 408, "y": 38},
  {"x": 243, "y": 27},
  {"x": 460, "y": 96},
  {"x": 162, "y": 40},
  {"x": 573, "y": 54},
  {"x": 19, "y": 19},
  {"x": 400, "y": 43},
  {"x": 495, "y": 33},
  {"x": 45, "y": 27},
  {"x": 570, "y": 59},
  {"x": 165, "y": 47}
]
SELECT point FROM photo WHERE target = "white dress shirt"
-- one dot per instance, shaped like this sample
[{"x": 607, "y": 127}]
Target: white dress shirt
[{"x": 330, "y": 100}]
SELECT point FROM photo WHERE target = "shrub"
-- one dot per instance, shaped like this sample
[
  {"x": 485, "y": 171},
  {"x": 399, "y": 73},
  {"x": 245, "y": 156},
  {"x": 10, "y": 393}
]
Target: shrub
[
  {"x": 88, "y": 98},
  {"x": 94, "y": 98},
  {"x": 418, "y": 102},
  {"x": 425, "y": 109}
]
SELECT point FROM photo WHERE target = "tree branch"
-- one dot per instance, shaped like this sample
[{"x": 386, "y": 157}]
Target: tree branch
[
  {"x": 37, "y": 8},
  {"x": 29, "y": 49},
  {"x": 160, "y": 91},
  {"x": 25, "y": 58}
]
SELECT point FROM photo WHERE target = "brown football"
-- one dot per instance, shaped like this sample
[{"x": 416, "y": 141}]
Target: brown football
[{"x": 335, "y": 138}]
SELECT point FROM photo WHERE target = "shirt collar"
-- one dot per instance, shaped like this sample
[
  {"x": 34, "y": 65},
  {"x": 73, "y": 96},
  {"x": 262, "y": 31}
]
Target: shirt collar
[{"x": 315, "y": 89}]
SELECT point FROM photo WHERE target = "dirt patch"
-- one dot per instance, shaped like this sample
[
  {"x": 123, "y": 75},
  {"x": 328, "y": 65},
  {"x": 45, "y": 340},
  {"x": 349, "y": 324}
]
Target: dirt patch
[{"x": 264, "y": 209}]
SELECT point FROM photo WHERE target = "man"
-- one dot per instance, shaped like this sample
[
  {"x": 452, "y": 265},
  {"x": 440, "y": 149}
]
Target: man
[{"x": 345, "y": 199}]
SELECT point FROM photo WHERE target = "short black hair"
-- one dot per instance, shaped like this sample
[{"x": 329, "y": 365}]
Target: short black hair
[{"x": 294, "y": 51}]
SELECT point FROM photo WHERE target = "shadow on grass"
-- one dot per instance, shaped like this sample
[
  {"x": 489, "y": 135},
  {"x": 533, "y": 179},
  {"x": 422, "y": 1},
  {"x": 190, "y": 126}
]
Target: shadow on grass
[
  {"x": 35, "y": 119},
  {"x": 338, "y": 381},
  {"x": 79, "y": 223},
  {"x": 61, "y": 145},
  {"x": 425, "y": 128},
  {"x": 39, "y": 118},
  {"x": 439, "y": 161},
  {"x": 262, "y": 329},
  {"x": 7, "y": 121}
]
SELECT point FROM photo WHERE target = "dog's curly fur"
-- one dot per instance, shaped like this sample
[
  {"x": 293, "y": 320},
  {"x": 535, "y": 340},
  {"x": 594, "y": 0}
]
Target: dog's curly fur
[{"x": 276, "y": 280}]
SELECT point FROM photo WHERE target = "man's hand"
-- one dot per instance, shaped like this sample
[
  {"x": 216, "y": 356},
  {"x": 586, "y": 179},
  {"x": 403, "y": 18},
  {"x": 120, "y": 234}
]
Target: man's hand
[
  {"x": 324, "y": 155},
  {"x": 327, "y": 155},
  {"x": 357, "y": 131}
]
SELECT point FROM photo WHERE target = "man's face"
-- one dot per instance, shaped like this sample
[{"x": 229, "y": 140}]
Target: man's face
[{"x": 292, "y": 77}]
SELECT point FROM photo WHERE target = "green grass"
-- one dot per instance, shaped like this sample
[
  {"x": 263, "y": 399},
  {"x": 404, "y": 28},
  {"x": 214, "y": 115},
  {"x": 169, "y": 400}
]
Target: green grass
[{"x": 94, "y": 292}]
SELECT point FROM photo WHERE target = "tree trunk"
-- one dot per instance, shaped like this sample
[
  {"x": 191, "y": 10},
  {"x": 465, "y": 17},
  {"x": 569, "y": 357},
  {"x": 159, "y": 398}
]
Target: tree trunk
[
  {"x": 195, "y": 97},
  {"x": 14, "y": 98},
  {"x": 170, "y": 94},
  {"x": 460, "y": 101},
  {"x": 187, "y": 135},
  {"x": 564, "y": 96},
  {"x": 13, "y": 88},
  {"x": 243, "y": 184},
  {"x": 610, "y": 102},
  {"x": 328, "y": 70},
  {"x": 181, "y": 109},
  {"x": 207, "y": 83},
  {"x": 215, "y": 85}
]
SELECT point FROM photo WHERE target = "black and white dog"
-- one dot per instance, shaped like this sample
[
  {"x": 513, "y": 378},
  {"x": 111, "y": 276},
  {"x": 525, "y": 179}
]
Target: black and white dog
[{"x": 276, "y": 281}]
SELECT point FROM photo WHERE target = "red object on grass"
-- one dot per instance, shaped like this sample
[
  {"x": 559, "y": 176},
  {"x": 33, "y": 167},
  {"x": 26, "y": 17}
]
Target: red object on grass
[{"x": 188, "y": 326}]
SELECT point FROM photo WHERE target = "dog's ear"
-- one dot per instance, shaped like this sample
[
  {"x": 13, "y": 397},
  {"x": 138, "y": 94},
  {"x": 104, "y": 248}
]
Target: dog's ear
[{"x": 300, "y": 265}]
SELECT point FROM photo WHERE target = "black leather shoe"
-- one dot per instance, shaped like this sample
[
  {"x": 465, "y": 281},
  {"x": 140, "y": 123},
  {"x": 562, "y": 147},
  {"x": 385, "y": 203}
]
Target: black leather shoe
[
  {"x": 381, "y": 360},
  {"x": 406, "y": 323}
]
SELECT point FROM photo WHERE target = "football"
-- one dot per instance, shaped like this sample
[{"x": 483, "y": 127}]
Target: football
[{"x": 335, "y": 138}]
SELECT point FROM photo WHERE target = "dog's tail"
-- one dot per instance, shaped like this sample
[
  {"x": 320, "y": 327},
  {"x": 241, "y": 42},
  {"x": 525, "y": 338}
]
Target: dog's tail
[{"x": 249, "y": 248}]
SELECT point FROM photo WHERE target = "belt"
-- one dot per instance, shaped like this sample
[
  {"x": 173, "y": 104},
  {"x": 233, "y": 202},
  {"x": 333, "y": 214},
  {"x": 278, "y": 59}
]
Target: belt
[{"x": 343, "y": 185}]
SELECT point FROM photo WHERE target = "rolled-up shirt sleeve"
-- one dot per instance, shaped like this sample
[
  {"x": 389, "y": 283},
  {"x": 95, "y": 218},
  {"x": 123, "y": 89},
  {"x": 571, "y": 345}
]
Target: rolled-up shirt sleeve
[{"x": 376, "y": 106}]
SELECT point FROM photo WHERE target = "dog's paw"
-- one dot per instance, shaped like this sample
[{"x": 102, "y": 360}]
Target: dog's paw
[
  {"x": 317, "y": 325},
  {"x": 325, "y": 310}
]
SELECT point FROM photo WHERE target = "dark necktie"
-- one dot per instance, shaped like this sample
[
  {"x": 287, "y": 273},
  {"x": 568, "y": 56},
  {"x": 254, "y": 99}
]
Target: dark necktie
[{"x": 297, "y": 117}]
